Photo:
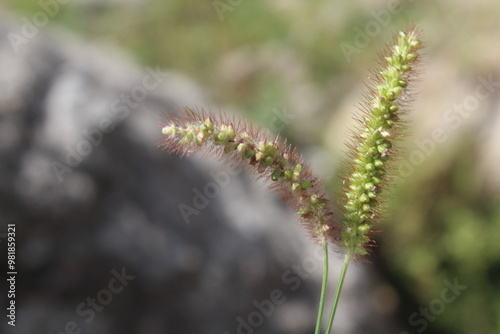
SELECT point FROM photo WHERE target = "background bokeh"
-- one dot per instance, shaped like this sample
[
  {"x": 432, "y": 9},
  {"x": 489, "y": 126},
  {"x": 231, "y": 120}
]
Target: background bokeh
[{"x": 307, "y": 60}]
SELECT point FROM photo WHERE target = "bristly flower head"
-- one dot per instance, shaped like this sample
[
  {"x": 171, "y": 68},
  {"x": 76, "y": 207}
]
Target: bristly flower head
[
  {"x": 272, "y": 159},
  {"x": 280, "y": 164},
  {"x": 373, "y": 145}
]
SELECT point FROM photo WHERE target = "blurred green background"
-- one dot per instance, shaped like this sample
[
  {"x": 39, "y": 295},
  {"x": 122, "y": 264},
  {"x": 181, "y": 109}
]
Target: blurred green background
[{"x": 254, "y": 56}]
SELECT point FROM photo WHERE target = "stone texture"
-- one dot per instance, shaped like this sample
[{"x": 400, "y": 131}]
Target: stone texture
[{"x": 90, "y": 194}]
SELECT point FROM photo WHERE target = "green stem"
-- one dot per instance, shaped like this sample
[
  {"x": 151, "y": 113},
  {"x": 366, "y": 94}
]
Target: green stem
[
  {"x": 347, "y": 259},
  {"x": 323, "y": 288}
]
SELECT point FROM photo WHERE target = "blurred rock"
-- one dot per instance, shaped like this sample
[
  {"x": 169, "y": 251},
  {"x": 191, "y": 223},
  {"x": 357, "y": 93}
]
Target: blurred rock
[{"x": 91, "y": 196}]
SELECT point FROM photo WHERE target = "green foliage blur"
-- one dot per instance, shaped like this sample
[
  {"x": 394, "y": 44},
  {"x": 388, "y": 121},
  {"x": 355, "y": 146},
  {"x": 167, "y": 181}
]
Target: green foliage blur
[{"x": 443, "y": 221}]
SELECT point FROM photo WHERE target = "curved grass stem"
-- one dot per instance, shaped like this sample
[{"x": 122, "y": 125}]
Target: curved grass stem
[
  {"x": 347, "y": 259},
  {"x": 323, "y": 288}
]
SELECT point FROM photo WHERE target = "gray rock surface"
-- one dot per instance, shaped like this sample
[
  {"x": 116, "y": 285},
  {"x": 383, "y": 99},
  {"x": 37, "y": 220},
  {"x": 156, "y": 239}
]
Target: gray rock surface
[{"x": 93, "y": 199}]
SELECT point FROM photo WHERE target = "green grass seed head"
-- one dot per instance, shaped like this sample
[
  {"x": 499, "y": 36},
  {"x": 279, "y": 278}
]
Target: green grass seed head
[
  {"x": 372, "y": 147},
  {"x": 278, "y": 162},
  {"x": 271, "y": 159}
]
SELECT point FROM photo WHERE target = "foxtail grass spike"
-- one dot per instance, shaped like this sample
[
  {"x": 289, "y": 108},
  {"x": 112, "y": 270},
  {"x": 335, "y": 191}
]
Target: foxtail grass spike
[
  {"x": 373, "y": 145},
  {"x": 272, "y": 159},
  {"x": 371, "y": 150}
]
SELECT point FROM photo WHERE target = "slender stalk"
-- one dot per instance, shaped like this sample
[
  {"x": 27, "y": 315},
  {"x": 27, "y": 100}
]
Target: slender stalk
[
  {"x": 323, "y": 288},
  {"x": 347, "y": 259}
]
